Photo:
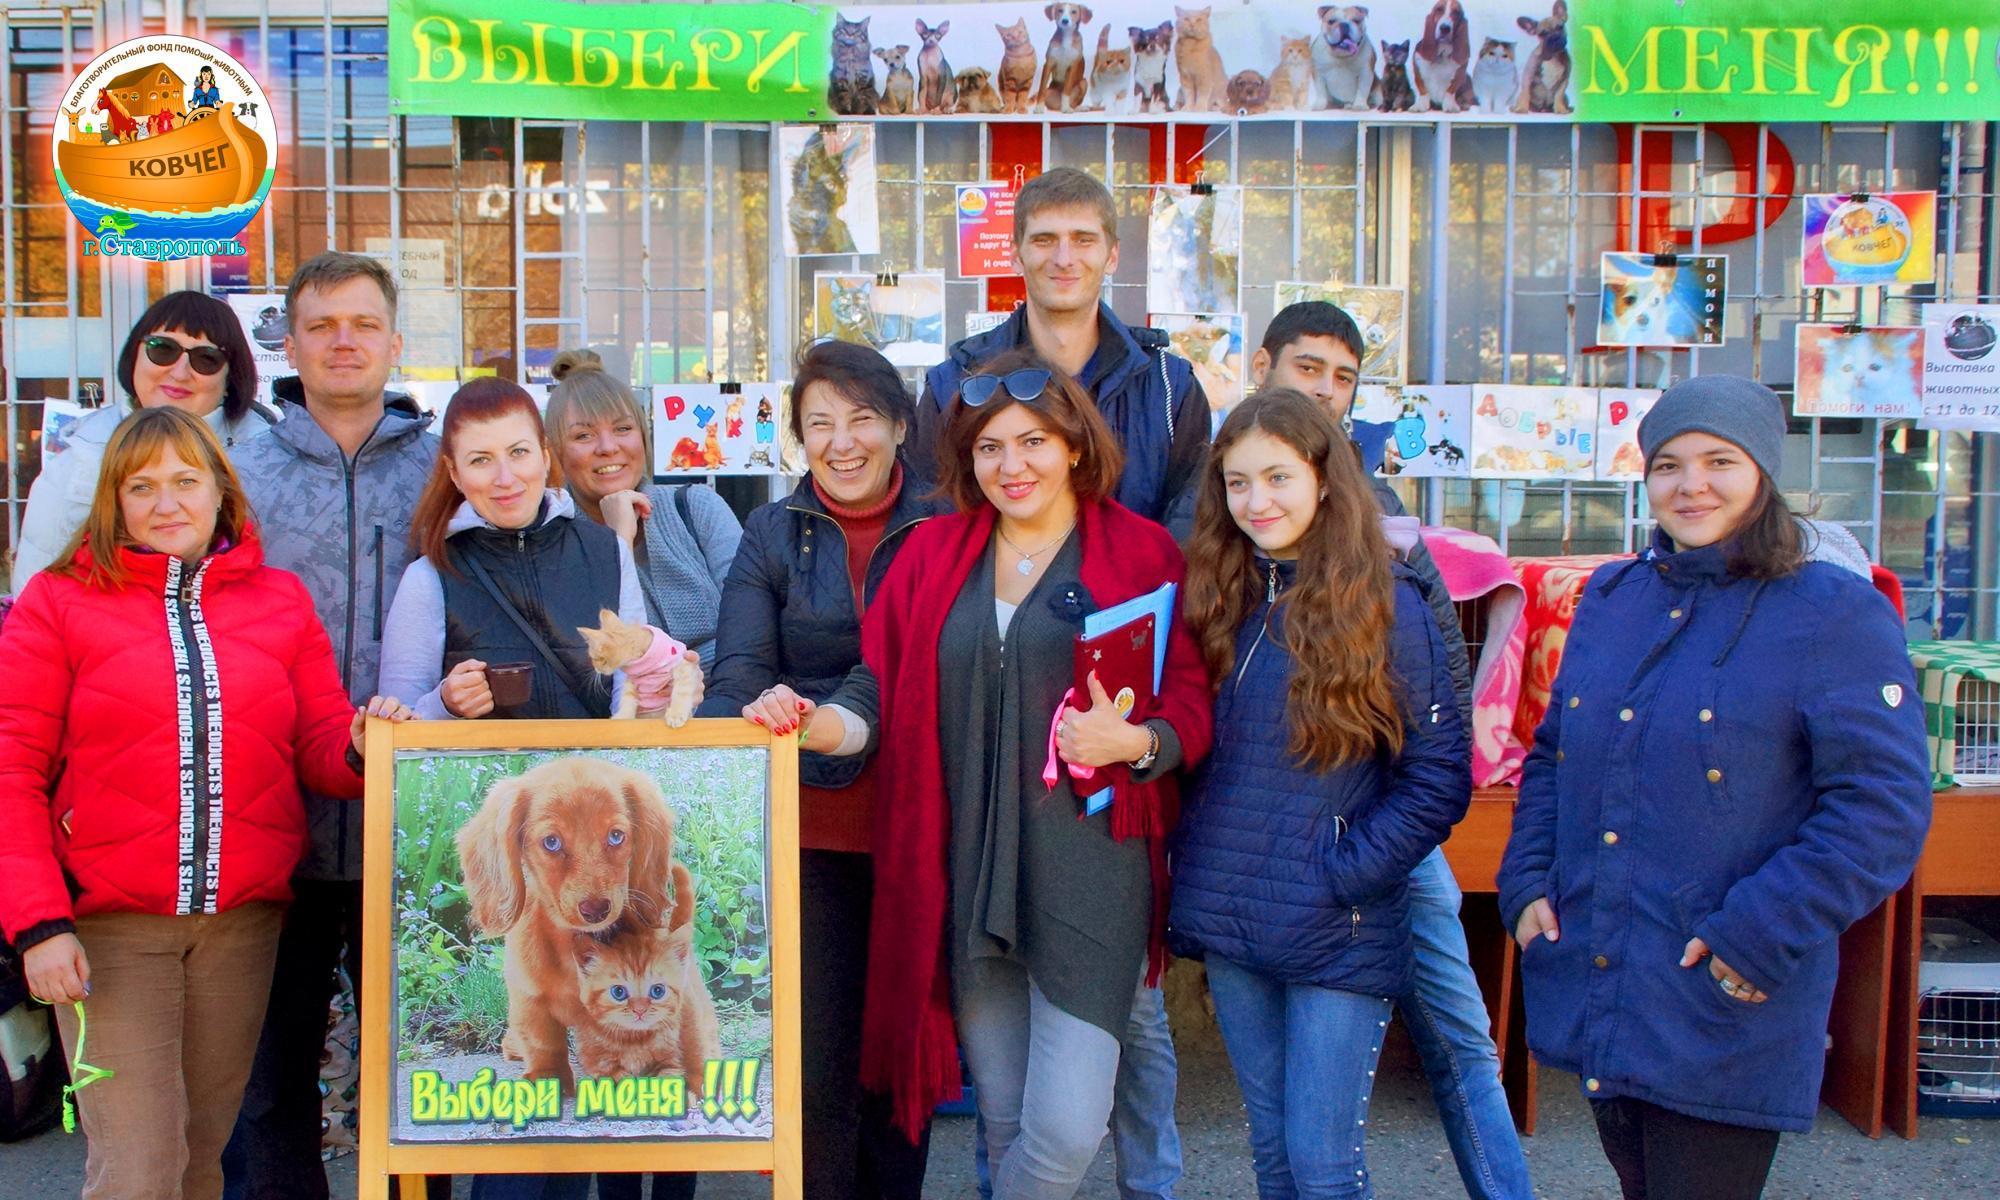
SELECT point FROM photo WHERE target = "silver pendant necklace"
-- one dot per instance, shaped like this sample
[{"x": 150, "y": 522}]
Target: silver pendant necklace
[{"x": 1027, "y": 564}]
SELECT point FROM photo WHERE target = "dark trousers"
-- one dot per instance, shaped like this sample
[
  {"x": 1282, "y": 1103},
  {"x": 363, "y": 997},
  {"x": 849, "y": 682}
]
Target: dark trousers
[
  {"x": 1660, "y": 1154},
  {"x": 852, "y": 1150},
  {"x": 274, "y": 1152}
]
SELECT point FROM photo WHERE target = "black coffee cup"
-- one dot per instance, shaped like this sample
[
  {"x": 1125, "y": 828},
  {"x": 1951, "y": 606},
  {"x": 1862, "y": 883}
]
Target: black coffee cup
[{"x": 511, "y": 683}]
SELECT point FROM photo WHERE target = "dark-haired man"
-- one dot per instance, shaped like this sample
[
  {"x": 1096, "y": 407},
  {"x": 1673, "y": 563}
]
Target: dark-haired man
[{"x": 1315, "y": 347}]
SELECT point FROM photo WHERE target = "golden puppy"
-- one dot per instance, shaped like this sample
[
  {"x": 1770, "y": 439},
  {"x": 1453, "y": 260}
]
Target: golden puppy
[{"x": 573, "y": 846}]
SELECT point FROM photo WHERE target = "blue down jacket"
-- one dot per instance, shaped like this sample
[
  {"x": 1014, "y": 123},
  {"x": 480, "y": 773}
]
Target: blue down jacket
[
  {"x": 1723, "y": 758},
  {"x": 1302, "y": 874}
]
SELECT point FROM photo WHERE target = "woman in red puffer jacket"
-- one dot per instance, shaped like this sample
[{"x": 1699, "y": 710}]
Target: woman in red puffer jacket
[{"x": 166, "y": 695}]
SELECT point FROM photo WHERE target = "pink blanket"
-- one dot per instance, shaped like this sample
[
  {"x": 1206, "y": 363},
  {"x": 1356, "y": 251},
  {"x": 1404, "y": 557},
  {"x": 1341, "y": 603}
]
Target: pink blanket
[{"x": 1473, "y": 569}]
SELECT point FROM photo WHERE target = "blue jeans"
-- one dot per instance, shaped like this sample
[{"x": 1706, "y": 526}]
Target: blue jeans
[
  {"x": 1144, "y": 1136},
  {"x": 531, "y": 1187},
  {"x": 1447, "y": 1019},
  {"x": 1305, "y": 1058},
  {"x": 1043, "y": 1080}
]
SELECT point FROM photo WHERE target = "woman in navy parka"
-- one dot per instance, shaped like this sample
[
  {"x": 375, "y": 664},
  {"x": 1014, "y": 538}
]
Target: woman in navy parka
[{"x": 1731, "y": 772}]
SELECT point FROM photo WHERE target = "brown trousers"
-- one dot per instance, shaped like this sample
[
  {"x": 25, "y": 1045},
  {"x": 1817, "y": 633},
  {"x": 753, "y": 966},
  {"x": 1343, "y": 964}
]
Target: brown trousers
[{"x": 174, "y": 1009}]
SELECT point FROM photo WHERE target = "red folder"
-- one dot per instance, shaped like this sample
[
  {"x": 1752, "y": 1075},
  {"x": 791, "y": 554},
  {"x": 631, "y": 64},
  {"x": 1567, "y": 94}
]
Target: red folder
[{"x": 1123, "y": 660}]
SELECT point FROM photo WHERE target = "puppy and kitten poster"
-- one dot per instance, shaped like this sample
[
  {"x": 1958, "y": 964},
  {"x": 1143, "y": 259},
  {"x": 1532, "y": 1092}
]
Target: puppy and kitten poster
[
  {"x": 1421, "y": 58},
  {"x": 581, "y": 946}
]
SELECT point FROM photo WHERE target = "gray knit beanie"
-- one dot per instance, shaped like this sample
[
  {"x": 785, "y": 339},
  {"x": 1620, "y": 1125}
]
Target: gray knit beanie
[{"x": 1730, "y": 407}]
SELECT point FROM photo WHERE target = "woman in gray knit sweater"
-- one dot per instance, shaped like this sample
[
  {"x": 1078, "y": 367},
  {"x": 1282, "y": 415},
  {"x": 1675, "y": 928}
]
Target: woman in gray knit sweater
[{"x": 682, "y": 536}]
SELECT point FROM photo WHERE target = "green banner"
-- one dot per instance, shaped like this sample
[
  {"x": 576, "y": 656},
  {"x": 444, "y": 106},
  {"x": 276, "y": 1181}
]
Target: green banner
[
  {"x": 1783, "y": 60},
  {"x": 628, "y": 62}
]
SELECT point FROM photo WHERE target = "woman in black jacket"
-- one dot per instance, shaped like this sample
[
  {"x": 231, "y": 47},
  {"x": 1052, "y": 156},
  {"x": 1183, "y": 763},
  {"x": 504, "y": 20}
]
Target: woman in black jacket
[{"x": 803, "y": 574}]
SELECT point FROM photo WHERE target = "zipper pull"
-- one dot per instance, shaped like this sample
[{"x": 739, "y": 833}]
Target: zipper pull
[
  {"x": 520, "y": 541},
  {"x": 1356, "y": 923},
  {"x": 1271, "y": 588}
]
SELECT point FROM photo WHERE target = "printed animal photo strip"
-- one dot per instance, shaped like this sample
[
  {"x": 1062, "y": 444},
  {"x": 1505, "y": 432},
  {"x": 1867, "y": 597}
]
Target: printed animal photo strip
[
  {"x": 1533, "y": 432},
  {"x": 1424, "y": 431},
  {"x": 1421, "y": 58},
  {"x": 826, "y": 180},
  {"x": 1860, "y": 239},
  {"x": 1619, "y": 411},
  {"x": 718, "y": 429},
  {"x": 581, "y": 946},
  {"x": 1663, "y": 300}
]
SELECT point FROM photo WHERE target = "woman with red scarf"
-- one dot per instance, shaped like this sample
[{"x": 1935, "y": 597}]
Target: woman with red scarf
[{"x": 1004, "y": 914}]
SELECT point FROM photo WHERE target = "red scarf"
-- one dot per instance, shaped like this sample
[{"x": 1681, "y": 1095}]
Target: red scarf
[{"x": 909, "y": 1043}]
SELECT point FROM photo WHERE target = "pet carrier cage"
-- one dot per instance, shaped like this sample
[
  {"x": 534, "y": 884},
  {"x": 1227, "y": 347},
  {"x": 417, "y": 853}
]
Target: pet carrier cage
[
  {"x": 1976, "y": 760},
  {"x": 1958, "y": 1021}
]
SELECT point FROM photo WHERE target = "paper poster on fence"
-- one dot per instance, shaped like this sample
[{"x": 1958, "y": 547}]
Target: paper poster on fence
[
  {"x": 1845, "y": 371},
  {"x": 1619, "y": 411},
  {"x": 900, "y": 315},
  {"x": 1533, "y": 432},
  {"x": 981, "y": 320},
  {"x": 58, "y": 418},
  {"x": 529, "y": 1007},
  {"x": 1886, "y": 237},
  {"x": 1379, "y": 311},
  {"x": 985, "y": 230},
  {"x": 265, "y": 324},
  {"x": 703, "y": 429},
  {"x": 1664, "y": 300},
  {"x": 826, "y": 182},
  {"x": 1213, "y": 343},
  {"x": 1961, "y": 366},
  {"x": 1194, "y": 249},
  {"x": 1429, "y": 429}
]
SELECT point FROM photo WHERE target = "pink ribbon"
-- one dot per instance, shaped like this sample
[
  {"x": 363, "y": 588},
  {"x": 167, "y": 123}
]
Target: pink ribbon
[{"x": 1051, "y": 771}]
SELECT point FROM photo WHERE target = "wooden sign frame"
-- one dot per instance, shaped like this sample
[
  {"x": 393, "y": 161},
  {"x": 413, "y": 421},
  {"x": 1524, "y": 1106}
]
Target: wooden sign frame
[{"x": 780, "y": 1155}]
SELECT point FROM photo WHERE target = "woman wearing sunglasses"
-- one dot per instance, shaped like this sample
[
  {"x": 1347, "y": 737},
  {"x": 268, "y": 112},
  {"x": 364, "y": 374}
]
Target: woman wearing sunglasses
[
  {"x": 1004, "y": 914},
  {"x": 187, "y": 351}
]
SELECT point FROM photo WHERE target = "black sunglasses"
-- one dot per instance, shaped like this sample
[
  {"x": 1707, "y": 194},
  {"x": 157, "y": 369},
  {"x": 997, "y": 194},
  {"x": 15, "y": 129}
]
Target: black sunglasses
[
  {"x": 1025, "y": 385},
  {"x": 165, "y": 352}
]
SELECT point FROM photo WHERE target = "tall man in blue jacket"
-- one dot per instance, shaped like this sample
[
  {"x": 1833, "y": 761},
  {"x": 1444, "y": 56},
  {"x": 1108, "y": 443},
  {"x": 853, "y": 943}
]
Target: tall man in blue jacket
[
  {"x": 1065, "y": 243},
  {"x": 333, "y": 486},
  {"x": 1316, "y": 347}
]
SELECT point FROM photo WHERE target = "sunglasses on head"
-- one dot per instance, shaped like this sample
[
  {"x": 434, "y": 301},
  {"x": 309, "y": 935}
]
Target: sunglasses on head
[
  {"x": 1025, "y": 385},
  {"x": 165, "y": 352}
]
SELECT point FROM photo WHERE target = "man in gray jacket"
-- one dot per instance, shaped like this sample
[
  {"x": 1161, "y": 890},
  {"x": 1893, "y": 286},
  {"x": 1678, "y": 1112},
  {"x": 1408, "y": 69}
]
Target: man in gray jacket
[{"x": 332, "y": 488}]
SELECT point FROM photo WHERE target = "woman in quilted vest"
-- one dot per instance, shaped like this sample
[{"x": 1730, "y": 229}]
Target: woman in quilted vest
[
  {"x": 1732, "y": 770},
  {"x": 167, "y": 695},
  {"x": 1336, "y": 769}
]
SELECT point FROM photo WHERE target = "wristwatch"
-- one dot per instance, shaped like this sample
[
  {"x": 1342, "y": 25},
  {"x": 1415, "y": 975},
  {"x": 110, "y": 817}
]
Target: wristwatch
[{"x": 1152, "y": 750}]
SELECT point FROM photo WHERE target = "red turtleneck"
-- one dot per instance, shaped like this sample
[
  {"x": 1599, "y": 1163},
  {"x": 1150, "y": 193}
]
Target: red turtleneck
[{"x": 864, "y": 528}]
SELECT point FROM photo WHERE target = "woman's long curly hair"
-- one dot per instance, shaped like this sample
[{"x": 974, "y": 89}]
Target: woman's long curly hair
[{"x": 1335, "y": 620}]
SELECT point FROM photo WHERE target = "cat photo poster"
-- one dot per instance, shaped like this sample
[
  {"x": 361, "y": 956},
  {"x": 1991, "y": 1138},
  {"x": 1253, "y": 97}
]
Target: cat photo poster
[
  {"x": 1213, "y": 343},
  {"x": 1194, "y": 249},
  {"x": 1853, "y": 371},
  {"x": 900, "y": 315},
  {"x": 1429, "y": 429},
  {"x": 1619, "y": 411},
  {"x": 1861, "y": 239},
  {"x": 1533, "y": 432},
  {"x": 826, "y": 185},
  {"x": 717, "y": 428},
  {"x": 1379, "y": 311},
  {"x": 1662, "y": 300}
]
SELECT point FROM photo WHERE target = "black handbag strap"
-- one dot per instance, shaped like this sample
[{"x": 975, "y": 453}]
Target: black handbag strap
[{"x": 586, "y": 696}]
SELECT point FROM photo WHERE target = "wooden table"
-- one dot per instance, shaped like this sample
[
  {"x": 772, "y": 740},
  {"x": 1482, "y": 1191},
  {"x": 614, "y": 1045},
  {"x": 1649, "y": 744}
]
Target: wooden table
[{"x": 1871, "y": 1069}]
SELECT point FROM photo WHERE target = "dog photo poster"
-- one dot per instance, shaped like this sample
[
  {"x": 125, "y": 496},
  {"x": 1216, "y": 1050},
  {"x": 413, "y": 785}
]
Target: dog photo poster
[
  {"x": 1429, "y": 428},
  {"x": 1619, "y": 411},
  {"x": 1850, "y": 371},
  {"x": 1123, "y": 60},
  {"x": 717, "y": 428},
  {"x": 1533, "y": 432},
  {"x": 1379, "y": 311},
  {"x": 1194, "y": 246},
  {"x": 1213, "y": 343},
  {"x": 900, "y": 315},
  {"x": 826, "y": 185},
  {"x": 581, "y": 945},
  {"x": 1662, "y": 300},
  {"x": 1861, "y": 239}
]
